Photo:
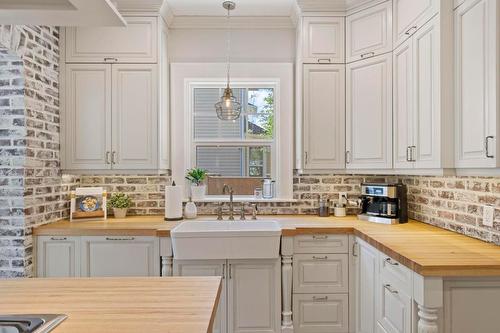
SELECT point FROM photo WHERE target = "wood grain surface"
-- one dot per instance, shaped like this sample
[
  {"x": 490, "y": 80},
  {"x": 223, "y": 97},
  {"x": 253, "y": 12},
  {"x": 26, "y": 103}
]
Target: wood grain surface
[{"x": 108, "y": 305}]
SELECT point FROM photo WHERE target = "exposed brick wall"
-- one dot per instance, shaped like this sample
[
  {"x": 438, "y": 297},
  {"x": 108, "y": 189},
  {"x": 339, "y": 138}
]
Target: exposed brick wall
[{"x": 34, "y": 131}]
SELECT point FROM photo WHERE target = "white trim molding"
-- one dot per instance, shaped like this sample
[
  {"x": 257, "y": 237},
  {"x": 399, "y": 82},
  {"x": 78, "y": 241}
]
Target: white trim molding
[{"x": 280, "y": 75}]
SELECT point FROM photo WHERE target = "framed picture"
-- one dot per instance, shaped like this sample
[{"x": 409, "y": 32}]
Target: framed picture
[{"x": 88, "y": 203}]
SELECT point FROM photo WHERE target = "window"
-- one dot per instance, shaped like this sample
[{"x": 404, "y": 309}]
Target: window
[{"x": 239, "y": 153}]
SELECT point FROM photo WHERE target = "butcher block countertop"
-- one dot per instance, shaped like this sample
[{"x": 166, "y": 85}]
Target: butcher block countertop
[
  {"x": 427, "y": 250},
  {"x": 103, "y": 305}
]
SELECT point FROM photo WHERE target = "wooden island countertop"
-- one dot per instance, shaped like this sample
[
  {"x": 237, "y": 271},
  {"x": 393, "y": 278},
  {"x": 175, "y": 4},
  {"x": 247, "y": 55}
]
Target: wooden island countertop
[
  {"x": 427, "y": 250},
  {"x": 125, "y": 305}
]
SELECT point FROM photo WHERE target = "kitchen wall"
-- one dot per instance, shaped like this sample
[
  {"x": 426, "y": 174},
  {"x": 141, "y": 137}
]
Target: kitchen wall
[
  {"x": 31, "y": 186},
  {"x": 453, "y": 203}
]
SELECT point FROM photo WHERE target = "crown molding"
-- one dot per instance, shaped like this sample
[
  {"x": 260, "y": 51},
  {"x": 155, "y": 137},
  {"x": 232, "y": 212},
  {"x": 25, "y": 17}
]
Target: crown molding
[
  {"x": 237, "y": 22},
  {"x": 331, "y": 5},
  {"x": 139, "y": 6}
]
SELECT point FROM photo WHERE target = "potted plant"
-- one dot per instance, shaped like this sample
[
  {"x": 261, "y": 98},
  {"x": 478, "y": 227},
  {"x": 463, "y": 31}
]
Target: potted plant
[
  {"x": 120, "y": 202},
  {"x": 196, "y": 176}
]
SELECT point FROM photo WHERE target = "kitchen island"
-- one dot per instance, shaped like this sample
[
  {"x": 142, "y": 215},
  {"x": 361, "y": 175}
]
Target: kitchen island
[{"x": 125, "y": 305}]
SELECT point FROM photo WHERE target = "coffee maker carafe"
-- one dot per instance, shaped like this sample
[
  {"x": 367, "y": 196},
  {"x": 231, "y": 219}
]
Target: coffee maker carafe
[{"x": 384, "y": 203}]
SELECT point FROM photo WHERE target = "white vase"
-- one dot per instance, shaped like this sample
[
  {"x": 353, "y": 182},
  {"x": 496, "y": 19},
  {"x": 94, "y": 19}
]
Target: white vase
[
  {"x": 120, "y": 213},
  {"x": 190, "y": 211},
  {"x": 198, "y": 192}
]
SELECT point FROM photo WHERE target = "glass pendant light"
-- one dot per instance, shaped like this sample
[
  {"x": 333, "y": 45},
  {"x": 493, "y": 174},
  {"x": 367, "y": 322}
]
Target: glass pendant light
[{"x": 228, "y": 108}]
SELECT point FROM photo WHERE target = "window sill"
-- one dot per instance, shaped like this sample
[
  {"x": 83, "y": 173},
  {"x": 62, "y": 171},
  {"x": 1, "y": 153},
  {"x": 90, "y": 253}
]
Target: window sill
[{"x": 241, "y": 198}]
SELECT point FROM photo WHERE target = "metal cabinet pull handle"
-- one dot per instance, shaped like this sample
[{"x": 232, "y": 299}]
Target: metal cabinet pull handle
[
  {"x": 324, "y": 60},
  {"x": 320, "y": 258},
  {"x": 107, "y": 157},
  {"x": 367, "y": 55},
  {"x": 223, "y": 271},
  {"x": 323, "y": 298},
  {"x": 110, "y": 59},
  {"x": 348, "y": 157},
  {"x": 318, "y": 237},
  {"x": 413, "y": 153},
  {"x": 306, "y": 156},
  {"x": 391, "y": 290},
  {"x": 230, "y": 271},
  {"x": 487, "y": 146},
  {"x": 120, "y": 239},
  {"x": 409, "y": 33},
  {"x": 355, "y": 249},
  {"x": 113, "y": 157},
  {"x": 58, "y": 238},
  {"x": 408, "y": 154},
  {"x": 391, "y": 262}
]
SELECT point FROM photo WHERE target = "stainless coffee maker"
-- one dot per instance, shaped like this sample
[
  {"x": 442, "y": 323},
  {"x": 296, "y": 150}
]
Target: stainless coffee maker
[{"x": 384, "y": 203}]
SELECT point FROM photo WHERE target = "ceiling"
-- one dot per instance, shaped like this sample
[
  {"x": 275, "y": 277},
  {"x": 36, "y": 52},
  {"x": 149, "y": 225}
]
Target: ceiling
[
  {"x": 37, "y": 4},
  {"x": 257, "y": 7}
]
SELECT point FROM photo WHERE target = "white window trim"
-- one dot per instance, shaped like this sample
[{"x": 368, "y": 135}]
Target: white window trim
[{"x": 187, "y": 76}]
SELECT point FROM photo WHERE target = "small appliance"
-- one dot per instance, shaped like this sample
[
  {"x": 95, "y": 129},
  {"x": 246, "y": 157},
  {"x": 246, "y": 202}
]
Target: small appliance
[{"x": 384, "y": 203}]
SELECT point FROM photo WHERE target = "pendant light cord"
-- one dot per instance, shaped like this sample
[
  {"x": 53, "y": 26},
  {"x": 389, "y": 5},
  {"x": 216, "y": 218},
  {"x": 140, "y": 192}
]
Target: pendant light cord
[{"x": 228, "y": 46}]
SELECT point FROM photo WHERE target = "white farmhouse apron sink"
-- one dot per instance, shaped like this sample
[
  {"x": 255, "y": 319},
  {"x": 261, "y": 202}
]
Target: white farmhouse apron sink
[{"x": 226, "y": 240}]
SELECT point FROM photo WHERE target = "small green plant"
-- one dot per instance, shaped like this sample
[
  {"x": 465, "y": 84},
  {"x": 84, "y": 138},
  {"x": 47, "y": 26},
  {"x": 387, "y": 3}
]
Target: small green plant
[
  {"x": 119, "y": 200},
  {"x": 196, "y": 175}
]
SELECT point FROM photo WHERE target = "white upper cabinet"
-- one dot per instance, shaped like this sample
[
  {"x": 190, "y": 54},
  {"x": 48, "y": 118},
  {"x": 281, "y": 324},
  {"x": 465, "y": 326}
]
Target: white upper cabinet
[
  {"x": 410, "y": 15},
  {"x": 135, "y": 116},
  {"x": 323, "y": 40},
  {"x": 87, "y": 117},
  {"x": 423, "y": 113},
  {"x": 324, "y": 116},
  {"x": 135, "y": 43},
  {"x": 369, "y": 114},
  {"x": 369, "y": 32},
  {"x": 403, "y": 105},
  {"x": 477, "y": 74}
]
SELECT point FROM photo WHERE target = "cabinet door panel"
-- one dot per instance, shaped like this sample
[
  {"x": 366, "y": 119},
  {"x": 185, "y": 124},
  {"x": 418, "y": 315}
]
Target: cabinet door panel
[
  {"x": 366, "y": 286},
  {"x": 369, "y": 32},
  {"x": 410, "y": 15},
  {"x": 207, "y": 268},
  {"x": 320, "y": 313},
  {"x": 324, "y": 116},
  {"x": 476, "y": 85},
  {"x": 87, "y": 118},
  {"x": 58, "y": 256},
  {"x": 135, "y": 117},
  {"x": 427, "y": 117},
  {"x": 394, "y": 309},
  {"x": 403, "y": 105},
  {"x": 120, "y": 256},
  {"x": 323, "y": 40},
  {"x": 320, "y": 273},
  {"x": 135, "y": 43},
  {"x": 254, "y": 303},
  {"x": 369, "y": 113}
]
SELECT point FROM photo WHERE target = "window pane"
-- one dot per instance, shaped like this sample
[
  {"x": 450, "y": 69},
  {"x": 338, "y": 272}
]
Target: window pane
[
  {"x": 256, "y": 121},
  {"x": 235, "y": 161}
]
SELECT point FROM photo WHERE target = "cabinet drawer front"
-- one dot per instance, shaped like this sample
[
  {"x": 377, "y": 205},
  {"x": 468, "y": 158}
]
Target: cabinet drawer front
[
  {"x": 320, "y": 313},
  {"x": 394, "y": 310},
  {"x": 136, "y": 43},
  {"x": 396, "y": 273},
  {"x": 320, "y": 273},
  {"x": 321, "y": 244}
]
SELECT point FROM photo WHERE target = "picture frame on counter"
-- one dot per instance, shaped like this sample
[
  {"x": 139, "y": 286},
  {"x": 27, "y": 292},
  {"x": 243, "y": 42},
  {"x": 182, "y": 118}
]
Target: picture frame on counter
[{"x": 88, "y": 204}]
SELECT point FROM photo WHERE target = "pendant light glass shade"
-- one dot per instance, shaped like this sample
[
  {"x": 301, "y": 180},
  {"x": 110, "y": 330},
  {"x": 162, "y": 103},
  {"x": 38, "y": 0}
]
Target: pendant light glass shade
[{"x": 228, "y": 108}]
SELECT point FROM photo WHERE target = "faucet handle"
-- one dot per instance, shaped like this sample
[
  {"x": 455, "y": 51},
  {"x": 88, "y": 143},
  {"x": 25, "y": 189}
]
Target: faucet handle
[{"x": 254, "y": 211}]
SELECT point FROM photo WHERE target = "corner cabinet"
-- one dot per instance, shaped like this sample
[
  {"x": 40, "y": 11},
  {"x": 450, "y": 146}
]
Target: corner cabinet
[
  {"x": 477, "y": 80},
  {"x": 323, "y": 40},
  {"x": 366, "y": 273},
  {"x": 115, "y": 114},
  {"x": 369, "y": 32},
  {"x": 369, "y": 113},
  {"x": 250, "y": 297},
  {"x": 324, "y": 116}
]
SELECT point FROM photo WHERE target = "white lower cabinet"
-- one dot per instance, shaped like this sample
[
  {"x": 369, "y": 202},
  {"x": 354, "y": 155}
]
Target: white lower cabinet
[
  {"x": 120, "y": 256},
  {"x": 250, "y": 300},
  {"x": 326, "y": 273},
  {"x": 394, "y": 308},
  {"x": 58, "y": 256},
  {"x": 366, "y": 270},
  {"x": 320, "y": 313}
]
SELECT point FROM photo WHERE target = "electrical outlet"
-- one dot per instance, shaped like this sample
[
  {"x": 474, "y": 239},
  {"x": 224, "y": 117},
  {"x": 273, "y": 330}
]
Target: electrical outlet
[
  {"x": 343, "y": 197},
  {"x": 488, "y": 212}
]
